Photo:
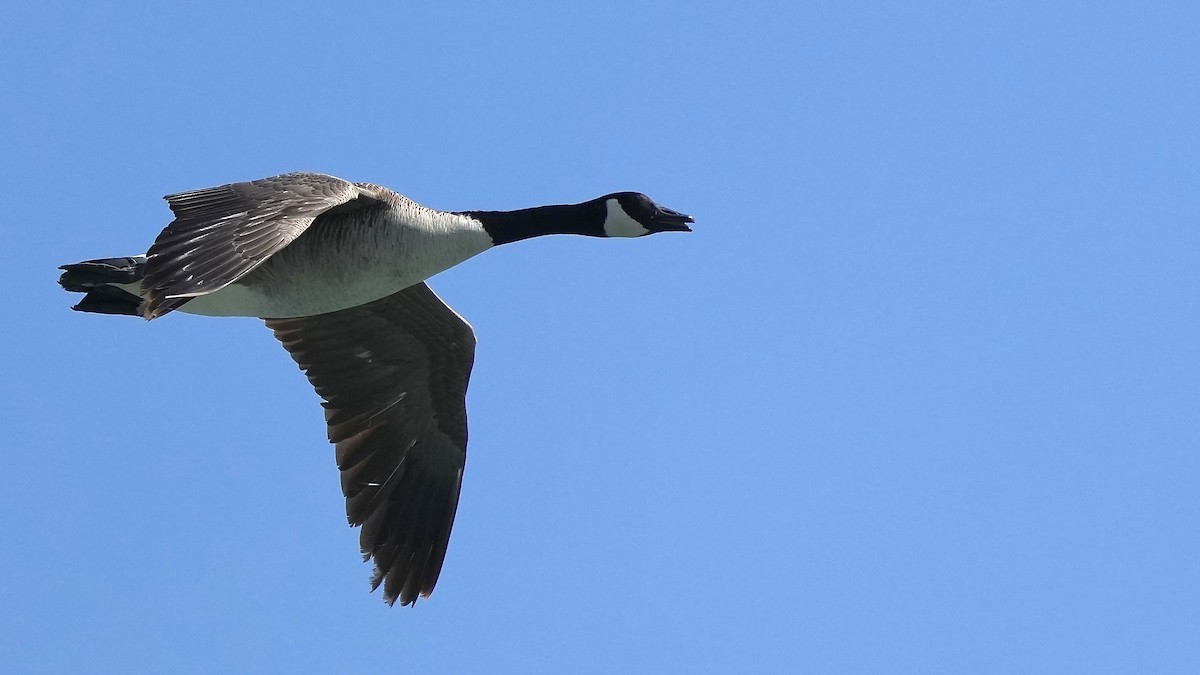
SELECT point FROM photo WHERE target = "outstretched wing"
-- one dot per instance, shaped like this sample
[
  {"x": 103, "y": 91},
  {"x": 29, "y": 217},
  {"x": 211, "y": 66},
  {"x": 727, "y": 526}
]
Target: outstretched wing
[
  {"x": 393, "y": 374},
  {"x": 222, "y": 233}
]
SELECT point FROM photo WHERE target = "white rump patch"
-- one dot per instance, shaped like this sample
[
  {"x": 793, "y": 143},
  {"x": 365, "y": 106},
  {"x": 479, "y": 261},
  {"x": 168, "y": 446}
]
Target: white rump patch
[{"x": 618, "y": 223}]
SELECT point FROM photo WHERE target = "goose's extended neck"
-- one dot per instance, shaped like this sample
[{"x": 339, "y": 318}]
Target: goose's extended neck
[{"x": 505, "y": 227}]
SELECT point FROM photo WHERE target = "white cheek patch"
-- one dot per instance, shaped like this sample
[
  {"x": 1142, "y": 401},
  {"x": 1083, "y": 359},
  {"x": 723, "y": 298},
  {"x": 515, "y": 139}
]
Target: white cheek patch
[{"x": 618, "y": 223}]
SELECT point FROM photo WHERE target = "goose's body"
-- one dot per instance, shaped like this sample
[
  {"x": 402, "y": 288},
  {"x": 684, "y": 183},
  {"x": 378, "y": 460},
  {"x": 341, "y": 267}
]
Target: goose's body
[
  {"x": 394, "y": 245},
  {"x": 368, "y": 242},
  {"x": 337, "y": 269}
]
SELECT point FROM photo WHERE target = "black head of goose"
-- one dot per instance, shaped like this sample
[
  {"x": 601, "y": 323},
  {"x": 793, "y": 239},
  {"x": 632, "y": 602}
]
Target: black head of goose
[{"x": 337, "y": 270}]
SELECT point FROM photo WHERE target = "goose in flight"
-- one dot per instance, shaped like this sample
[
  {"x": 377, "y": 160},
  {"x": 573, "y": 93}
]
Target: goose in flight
[{"x": 337, "y": 270}]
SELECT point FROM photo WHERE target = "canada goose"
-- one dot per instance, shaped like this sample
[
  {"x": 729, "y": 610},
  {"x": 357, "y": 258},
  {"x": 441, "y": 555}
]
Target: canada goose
[{"x": 337, "y": 270}]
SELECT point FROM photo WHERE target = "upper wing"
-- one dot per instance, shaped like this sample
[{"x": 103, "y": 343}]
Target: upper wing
[
  {"x": 220, "y": 234},
  {"x": 393, "y": 374}
]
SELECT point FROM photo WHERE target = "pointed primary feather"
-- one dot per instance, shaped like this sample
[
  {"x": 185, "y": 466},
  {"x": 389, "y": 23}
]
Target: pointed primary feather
[
  {"x": 220, "y": 234},
  {"x": 393, "y": 374}
]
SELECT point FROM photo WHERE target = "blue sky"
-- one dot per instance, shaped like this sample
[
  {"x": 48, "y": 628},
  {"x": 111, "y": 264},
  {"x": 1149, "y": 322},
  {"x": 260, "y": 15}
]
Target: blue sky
[{"x": 919, "y": 394}]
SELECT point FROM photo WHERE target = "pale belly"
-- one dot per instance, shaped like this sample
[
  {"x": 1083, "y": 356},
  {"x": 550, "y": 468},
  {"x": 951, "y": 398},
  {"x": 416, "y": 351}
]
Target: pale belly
[
  {"x": 242, "y": 300},
  {"x": 306, "y": 295}
]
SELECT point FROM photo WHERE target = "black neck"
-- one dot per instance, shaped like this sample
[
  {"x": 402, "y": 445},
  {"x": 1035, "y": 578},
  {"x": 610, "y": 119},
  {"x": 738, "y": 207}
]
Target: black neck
[{"x": 505, "y": 227}]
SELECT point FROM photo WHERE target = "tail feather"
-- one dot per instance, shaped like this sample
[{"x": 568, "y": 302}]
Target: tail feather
[{"x": 100, "y": 281}]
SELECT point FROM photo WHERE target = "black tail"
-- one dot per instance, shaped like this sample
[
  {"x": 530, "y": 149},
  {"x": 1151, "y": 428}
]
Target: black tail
[{"x": 98, "y": 279}]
